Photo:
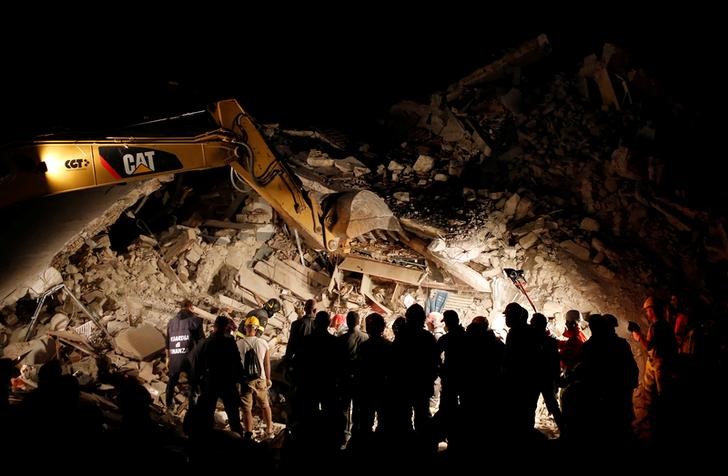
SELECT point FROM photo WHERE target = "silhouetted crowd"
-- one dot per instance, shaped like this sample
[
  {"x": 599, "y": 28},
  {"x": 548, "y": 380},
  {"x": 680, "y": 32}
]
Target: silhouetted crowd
[{"x": 364, "y": 401}]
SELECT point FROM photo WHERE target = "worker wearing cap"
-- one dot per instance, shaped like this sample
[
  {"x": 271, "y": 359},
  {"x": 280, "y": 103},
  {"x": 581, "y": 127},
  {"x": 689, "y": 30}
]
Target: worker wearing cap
[{"x": 256, "y": 389}]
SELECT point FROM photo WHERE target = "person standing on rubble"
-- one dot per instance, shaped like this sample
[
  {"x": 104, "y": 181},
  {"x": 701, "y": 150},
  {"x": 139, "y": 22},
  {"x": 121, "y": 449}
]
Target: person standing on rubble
[
  {"x": 550, "y": 366},
  {"x": 255, "y": 389},
  {"x": 184, "y": 332},
  {"x": 217, "y": 368},
  {"x": 348, "y": 392},
  {"x": 300, "y": 328}
]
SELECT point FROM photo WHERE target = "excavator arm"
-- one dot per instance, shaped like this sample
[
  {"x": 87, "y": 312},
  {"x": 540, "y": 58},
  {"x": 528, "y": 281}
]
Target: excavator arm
[{"x": 54, "y": 166}]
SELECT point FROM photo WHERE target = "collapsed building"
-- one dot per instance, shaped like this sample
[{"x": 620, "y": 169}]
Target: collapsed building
[{"x": 509, "y": 168}]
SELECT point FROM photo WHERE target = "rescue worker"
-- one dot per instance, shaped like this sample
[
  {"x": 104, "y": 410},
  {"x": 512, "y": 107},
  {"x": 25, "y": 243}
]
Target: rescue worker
[
  {"x": 184, "y": 332},
  {"x": 264, "y": 313},
  {"x": 661, "y": 353},
  {"x": 256, "y": 389}
]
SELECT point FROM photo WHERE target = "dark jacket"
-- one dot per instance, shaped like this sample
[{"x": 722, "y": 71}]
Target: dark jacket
[{"x": 184, "y": 332}]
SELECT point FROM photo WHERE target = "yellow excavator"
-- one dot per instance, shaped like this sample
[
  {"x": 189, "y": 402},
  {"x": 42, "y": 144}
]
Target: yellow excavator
[{"x": 47, "y": 167}]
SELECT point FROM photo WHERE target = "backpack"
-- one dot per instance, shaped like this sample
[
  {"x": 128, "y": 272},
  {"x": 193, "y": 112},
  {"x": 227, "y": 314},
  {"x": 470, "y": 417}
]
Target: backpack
[{"x": 251, "y": 365}]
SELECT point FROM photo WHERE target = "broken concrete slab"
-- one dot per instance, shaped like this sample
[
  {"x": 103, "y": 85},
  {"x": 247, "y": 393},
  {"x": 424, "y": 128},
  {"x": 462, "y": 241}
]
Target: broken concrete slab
[
  {"x": 256, "y": 285},
  {"x": 265, "y": 233},
  {"x": 401, "y": 196},
  {"x": 314, "y": 278},
  {"x": 461, "y": 251},
  {"x": 140, "y": 343},
  {"x": 523, "y": 208},
  {"x": 528, "y": 240},
  {"x": 589, "y": 224},
  {"x": 424, "y": 164},
  {"x": 351, "y": 165},
  {"x": 286, "y": 277},
  {"x": 316, "y": 158},
  {"x": 510, "y": 206},
  {"x": 258, "y": 211},
  {"x": 575, "y": 249}
]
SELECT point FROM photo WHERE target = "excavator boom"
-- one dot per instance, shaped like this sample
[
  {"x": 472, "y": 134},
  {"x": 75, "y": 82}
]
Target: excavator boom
[{"x": 54, "y": 166}]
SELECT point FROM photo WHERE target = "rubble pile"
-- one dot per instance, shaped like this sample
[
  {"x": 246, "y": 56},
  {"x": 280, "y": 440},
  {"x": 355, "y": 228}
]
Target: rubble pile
[
  {"x": 127, "y": 296},
  {"x": 554, "y": 173}
]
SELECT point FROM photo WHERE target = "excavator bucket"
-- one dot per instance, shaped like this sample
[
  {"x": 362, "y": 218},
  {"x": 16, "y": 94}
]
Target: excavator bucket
[{"x": 356, "y": 213}]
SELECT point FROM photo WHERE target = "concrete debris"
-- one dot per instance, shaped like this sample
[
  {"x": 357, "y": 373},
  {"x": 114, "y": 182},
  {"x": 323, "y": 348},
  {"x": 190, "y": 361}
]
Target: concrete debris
[
  {"x": 424, "y": 164},
  {"x": 402, "y": 196},
  {"x": 589, "y": 224},
  {"x": 140, "y": 343},
  {"x": 316, "y": 158},
  {"x": 256, "y": 211},
  {"x": 575, "y": 249},
  {"x": 528, "y": 240},
  {"x": 511, "y": 205},
  {"x": 351, "y": 165}
]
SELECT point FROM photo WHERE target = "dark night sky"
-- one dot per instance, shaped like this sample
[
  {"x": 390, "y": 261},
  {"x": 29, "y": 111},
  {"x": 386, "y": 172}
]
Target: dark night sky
[{"x": 329, "y": 72}]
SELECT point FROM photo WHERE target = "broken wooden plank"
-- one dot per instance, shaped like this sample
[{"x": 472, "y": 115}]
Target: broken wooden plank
[
  {"x": 382, "y": 270},
  {"x": 286, "y": 277}
]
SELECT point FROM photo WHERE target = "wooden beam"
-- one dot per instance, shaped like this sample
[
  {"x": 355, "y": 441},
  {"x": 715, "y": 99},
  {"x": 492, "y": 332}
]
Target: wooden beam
[{"x": 382, "y": 270}]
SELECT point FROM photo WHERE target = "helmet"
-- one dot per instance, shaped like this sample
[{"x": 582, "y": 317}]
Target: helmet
[
  {"x": 272, "y": 306},
  {"x": 251, "y": 321},
  {"x": 573, "y": 315}
]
